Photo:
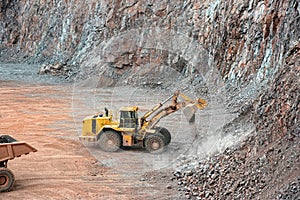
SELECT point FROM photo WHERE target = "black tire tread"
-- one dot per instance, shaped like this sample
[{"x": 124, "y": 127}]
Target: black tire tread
[
  {"x": 166, "y": 133},
  {"x": 102, "y": 141},
  {"x": 157, "y": 138},
  {"x": 11, "y": 179}
]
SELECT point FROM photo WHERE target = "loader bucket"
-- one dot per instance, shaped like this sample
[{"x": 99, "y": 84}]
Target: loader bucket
[{"x": 189, "y": 113}]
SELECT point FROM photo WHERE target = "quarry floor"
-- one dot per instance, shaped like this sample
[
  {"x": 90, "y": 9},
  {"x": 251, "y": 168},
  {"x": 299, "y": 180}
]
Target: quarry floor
[
  {"x": 64, "y": 168},
  {"x": 48, "y": 115}
]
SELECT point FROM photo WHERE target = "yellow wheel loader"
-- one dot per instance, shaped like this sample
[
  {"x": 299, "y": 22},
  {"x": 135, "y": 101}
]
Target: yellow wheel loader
[{"x": 131, "y": 130}]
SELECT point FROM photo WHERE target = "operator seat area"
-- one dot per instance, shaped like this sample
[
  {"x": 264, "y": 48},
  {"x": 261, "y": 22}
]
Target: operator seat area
[{"x": 128, "y": 119}]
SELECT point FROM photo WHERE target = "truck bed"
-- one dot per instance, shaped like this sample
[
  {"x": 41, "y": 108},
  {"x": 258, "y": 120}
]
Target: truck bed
[{"x": 9, "y": 151}]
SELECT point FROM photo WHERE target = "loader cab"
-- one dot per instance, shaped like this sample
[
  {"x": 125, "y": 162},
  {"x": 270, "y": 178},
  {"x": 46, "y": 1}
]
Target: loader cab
[{"x": 128, "y": 117}]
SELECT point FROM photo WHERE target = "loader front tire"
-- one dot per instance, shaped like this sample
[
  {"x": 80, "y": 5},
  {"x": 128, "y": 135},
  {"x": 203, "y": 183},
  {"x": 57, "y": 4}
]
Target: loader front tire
[
  {"x": 110, "y": 141},
  {"x": 7, "y": 179},
  {"x": 155, "y": 143},
  {"x": 165, "y": 132}
]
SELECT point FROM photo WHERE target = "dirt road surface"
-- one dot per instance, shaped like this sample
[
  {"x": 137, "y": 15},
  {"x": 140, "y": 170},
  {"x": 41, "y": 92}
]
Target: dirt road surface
[{"x": 63, "y": 168}]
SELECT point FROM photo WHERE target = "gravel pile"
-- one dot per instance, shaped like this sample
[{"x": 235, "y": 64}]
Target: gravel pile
[
  {"x": 249, "y": 171},
  {"x": 292, "y": 191}
]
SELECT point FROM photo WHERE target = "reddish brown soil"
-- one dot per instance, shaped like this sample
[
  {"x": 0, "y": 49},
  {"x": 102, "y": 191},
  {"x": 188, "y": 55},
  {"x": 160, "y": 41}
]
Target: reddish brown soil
[{"x": 62, "y": 168}]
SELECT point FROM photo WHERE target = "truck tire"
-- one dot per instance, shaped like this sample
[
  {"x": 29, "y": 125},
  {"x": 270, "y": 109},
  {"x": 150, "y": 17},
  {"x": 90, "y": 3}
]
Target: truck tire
[
  {"x": 110, "y": 141},
  {"x": 7, "y": 179},
  {"x": 155, "y": 143},
  {"x": 165, "y": 132}
]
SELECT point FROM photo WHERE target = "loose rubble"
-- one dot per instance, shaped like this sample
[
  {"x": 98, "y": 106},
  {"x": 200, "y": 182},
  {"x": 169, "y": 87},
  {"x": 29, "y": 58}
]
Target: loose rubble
[
  {"x": 292, "y": 191},
  {"x": 249, "y": 171},
  {"x": 54, "y": 69}
]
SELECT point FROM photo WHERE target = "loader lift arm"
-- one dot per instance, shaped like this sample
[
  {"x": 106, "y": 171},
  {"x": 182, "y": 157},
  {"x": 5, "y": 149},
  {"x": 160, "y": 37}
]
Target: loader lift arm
[
  {"x": 154, "y": 109},
  {"x": 175, "y": 106}
]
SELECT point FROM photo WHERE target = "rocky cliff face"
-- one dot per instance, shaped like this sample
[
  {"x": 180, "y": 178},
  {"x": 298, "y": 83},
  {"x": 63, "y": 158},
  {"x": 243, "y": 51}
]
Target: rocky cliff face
[
  {"x": 250, "y": 47},
  {"x": 251, "y": 44}
]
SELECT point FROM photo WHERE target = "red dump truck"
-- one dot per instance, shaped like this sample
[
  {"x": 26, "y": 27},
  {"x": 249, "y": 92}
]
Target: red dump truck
[{"x": 9, "y": 149}]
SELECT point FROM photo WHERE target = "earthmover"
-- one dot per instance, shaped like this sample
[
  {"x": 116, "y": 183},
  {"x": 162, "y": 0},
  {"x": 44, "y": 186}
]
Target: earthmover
[
  {"x": 9, "y": 149},
  {"x": 131, "y": 130}
]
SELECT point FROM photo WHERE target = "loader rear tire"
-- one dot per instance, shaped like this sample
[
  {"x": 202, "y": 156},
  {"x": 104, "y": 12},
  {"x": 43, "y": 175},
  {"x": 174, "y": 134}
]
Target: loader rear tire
[
  {"x": 165, "y": 132},
  {"x": 110, "y": 141},
  {"x": 155, "y": 143},
  {"x": 7, "y": 179}
]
